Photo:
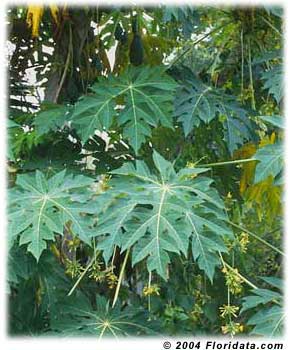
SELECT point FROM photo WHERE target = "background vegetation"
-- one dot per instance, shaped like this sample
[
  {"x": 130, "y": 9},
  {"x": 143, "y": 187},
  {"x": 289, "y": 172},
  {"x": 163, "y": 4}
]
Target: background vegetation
[{"x": 145, "y": 170}]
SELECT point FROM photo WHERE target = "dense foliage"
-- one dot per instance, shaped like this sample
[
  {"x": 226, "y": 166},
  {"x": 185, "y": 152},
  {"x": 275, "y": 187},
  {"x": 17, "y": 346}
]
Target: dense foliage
[{"x": 145, "y": 164}]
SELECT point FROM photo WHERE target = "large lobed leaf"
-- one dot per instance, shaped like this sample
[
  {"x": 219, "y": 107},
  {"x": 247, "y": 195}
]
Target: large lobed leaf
[
  {"x": 159, "y": 213},
  {"x": 196, "y": 102},
  {"x": 270, "y": 159},
  {"x": 77, "y": 317},
  {"x": 268, "y": 319},
  {"x": 52, "y": 117},
  {"x": 39, "y": 208},
  {"x": 273, "y": 82},
  {"x": 187, "y": 16},
  {"x": 140, "y": 98}
]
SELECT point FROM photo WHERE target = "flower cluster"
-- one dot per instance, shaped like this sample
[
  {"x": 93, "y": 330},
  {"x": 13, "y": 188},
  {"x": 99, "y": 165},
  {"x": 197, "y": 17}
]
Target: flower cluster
[
  {"x": 200, "y": 300},
  {"x": 233, "y": 280},
  {"x": 243, "y": 242},
  {"x": 153, "y": 289},
  {"x": 99, "y": 274},
  {"x": 73, "y": 268},
  {"x": 228, "y": 312},
  {"x": 232, "y": 328}
]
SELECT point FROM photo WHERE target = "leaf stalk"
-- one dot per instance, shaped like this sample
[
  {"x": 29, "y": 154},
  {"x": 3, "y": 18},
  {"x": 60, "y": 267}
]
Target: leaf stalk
[{"x": 120, "y": 278}]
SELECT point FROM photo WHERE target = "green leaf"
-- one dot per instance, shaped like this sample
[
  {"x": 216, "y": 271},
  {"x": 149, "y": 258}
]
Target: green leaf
[
  {"x": 52, "y": 118},
  {"x": 19, "y": 264},
  {"x": 275, "y": 120},
  {"x": 78, "y": 317},
  {"x": 140, "y": 98},
  {"x": 268, "y": 56},
  {"x": 11, "y": 124},
  {"x": 94, "y": 111},
  {"x": 274, "y": 282},
  {"x": 270, "y": 160},
  {"x": 117, "y": 214},
  {"x": 273, "y": 81},
  {"x": 263, "y": 296},
  {"x": 13, "y": 128},
  {"x": 268, "y": 320},
  {"x": 275, "y": 10},
  {"x": 196, "y": 102},
  {"x": 53, "y": 203},
  {"x": 206, "y": 244},
  {"x": 160, "y": 214},
  {"x": 186, "y": 16}
]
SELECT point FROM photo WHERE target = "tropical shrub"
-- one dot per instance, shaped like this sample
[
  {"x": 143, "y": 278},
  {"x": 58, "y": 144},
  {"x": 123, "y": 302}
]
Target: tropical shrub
[{"x": 145, "y": 161}]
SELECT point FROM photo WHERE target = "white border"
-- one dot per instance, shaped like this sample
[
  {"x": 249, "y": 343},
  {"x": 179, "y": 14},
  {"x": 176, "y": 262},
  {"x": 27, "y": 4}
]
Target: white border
[{"x": 133, "y": 343}]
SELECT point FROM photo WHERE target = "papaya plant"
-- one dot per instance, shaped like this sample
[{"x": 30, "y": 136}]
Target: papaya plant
[{"x": 145, "y": 171}]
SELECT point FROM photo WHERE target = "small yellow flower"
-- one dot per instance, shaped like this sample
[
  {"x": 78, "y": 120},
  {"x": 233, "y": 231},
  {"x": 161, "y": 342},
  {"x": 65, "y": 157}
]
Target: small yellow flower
[
  {"x": 231, "y": 328},
  {"x": 224, "y": 270},
  {"x": 96, "y": 272},
  {"x": 244, "y": 241},
  {"x": 112, "y": 279},
  {"x": 225, "y": 329},
  {"x": 228, "y": 310},
  {"x": 196, "y": 312},
  {"x": 151, "y": 290},
  {"x": 73, "y": 268},
  {"x": 190, "y": 165}
]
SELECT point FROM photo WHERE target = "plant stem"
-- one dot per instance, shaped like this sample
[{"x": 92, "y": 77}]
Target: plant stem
[
  {"x": 68, "y": 58},
  {"x": 251, "y": 77},
  {"x": 238, "y": 161},
  {"x": 249, "y": 283},
  {"x": 237, "y": 273},
  {"x": 120, "y": 278},
  {"x": 242, "y": 64},
  {"x": 149, "y": 285},
  {"x": 83, "y": 274},
  {"x": 113, "y": 258},
  {"x": 257, "y": 237}
]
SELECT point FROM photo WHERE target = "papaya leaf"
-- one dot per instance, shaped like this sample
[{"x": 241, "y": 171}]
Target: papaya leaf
[
  {"x": 53, "y": 117},
  {"x": 273, "y": 81},
  {"x": 274, "y": 120},
  {"x": 94, "y": 111},
  {"x": 187, "y": 16},
  {"x": 270, "y": 159},
  {"x": 262, "y": 296},
  {"x": 196, "y": 102},
  {"x": 268, "y": 320},
  {"x": 275, "y": 10},
  {"x": 274, "y": 282},
  {"x": 52, "y": 202},
  {"x": 78, "y": 317},
  {"x": 144, "y": 101},
  {"x": 161, "y": 212},
  {"x": 20, "y": 264}
]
